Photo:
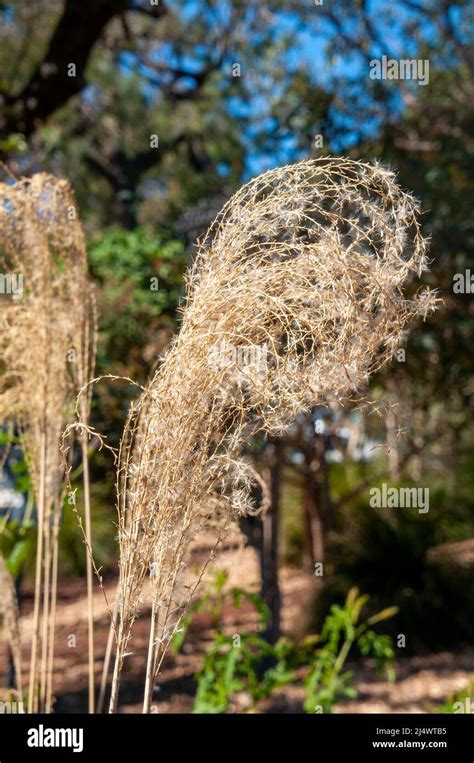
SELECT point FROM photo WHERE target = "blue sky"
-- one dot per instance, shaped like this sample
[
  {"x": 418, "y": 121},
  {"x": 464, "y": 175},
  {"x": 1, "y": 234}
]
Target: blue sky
[{"x": 313, "y": 50}]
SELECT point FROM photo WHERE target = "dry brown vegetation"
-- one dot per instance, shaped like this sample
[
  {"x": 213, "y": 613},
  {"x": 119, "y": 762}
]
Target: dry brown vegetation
[
  {"x": 46, "y": 352},
  {"x": 296, "y": 295}
]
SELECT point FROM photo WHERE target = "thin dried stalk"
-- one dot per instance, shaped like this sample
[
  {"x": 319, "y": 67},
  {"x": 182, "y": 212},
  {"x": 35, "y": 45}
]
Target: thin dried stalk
[
  {"x": 85, "y": 369},
  {"x": 33, "y": 699},
  {"x": 295, "y": 297},
  {"x": 44, "y": 359},
  {"x": 106, "y": 665},
  {"x": 52, "y": 628},
  {"x": 11, "y": 621}
]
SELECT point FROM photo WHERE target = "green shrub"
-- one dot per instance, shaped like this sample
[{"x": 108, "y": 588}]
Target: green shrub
[{"x": 246, "y": 662}]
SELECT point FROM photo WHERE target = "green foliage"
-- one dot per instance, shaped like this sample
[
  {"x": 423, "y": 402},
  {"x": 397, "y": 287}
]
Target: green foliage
[
  {"x": 246, "y": 662},
  {"x": 18, "y": 536},
  {"x": 461, "y": 701},
  {"x": 233, "y": 664},
  {"x": 386, "y": 552},
  {"x": 17, "y": 545},
  {"x": 342, "y": 631},
  {"x": 136, "y": 323},
  {"x": 14, "y": 143},
  {"x": 124, "y": 263}
]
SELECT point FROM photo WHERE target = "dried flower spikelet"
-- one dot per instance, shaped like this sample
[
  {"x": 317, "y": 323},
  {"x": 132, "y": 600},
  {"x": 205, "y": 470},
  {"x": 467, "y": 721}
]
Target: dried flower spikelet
[
  {"x": 48, "y": 331},
  {"x": 295, "y": 297},
  {"x": 321, "y": 251},
  {"x": 47, "y": 345}
]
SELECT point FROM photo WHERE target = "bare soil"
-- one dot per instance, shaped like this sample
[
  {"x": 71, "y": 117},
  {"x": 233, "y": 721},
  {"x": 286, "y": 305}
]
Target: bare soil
[{"x": 422, "y": 682}]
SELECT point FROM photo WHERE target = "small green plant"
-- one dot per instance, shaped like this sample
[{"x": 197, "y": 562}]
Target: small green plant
[
  {"x": 461, "y": 701},
  {"x": 17, "y": 544},
  {"x": 343, "y": 630},
  {"x": 246, "y": 662},
  {"x": 234, "y": 664},
  {"x": 212, "y": 602}
]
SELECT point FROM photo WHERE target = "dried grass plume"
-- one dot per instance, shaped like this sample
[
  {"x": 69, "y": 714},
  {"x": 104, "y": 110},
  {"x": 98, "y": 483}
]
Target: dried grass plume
[
  {"x": 47, "y": 343},
  {"x": 297, "y": 294}
]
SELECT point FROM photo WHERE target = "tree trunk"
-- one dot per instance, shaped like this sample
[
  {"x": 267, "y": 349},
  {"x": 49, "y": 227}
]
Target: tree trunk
[
  {"x": 315, "y": 504},
  {"x": 313, "y": 544},
  {"x": 269, "y": 548}
]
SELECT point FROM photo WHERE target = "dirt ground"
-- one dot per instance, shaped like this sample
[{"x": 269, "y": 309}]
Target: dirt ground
[{"x": 422, "y": 682}]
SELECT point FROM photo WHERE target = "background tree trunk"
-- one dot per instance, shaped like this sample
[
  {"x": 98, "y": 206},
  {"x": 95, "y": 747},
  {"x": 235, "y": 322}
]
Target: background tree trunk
[
  {"x": 269, "y": 544},
  {"x": 313, "y": 545},
  {"x": 315, "y": 503}
]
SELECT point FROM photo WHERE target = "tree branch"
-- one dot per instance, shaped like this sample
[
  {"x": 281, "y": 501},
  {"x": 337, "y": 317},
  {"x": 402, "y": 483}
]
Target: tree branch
[{"x": 54, "y": 81}]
